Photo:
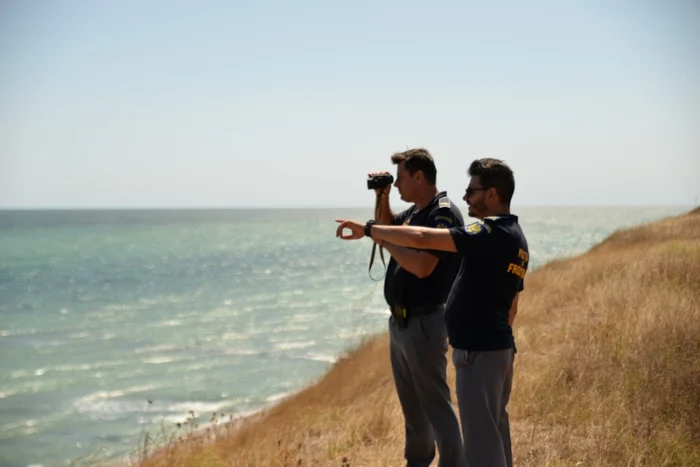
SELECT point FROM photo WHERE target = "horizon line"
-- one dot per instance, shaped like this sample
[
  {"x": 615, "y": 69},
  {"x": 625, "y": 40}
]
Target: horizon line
[{"x": 277, "y": 208}]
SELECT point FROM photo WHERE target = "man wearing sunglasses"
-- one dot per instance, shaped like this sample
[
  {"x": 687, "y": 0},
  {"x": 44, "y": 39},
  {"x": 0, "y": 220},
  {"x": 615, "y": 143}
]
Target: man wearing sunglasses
[{"x": 481, "y": 306}]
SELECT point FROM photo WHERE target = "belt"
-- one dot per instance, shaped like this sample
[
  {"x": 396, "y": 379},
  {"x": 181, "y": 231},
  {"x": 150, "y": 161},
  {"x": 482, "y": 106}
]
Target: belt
[{"x": 415, "y": 311}]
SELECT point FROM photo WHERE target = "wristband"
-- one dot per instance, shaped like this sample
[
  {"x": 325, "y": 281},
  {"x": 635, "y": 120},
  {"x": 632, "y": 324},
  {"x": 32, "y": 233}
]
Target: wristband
[{"x": 368, "y": 228}]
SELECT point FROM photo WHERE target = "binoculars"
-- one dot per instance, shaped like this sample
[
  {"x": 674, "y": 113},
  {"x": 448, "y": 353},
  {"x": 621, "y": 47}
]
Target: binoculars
[{"x": 379, "y": 181}]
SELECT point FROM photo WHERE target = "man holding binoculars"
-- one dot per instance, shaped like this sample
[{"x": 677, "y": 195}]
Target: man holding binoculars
[{"x": 416, "y": 287}]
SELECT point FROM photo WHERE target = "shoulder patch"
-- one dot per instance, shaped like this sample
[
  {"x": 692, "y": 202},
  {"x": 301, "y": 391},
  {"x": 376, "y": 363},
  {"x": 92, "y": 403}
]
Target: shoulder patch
[
  {"x": 444, "y": 202},
  {"x": 476, "y": 228},
  {"x": 443, "y": 218}
]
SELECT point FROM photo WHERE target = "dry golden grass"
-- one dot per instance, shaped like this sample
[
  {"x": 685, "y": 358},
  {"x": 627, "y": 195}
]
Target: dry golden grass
[{"x": 607, "y": 373}]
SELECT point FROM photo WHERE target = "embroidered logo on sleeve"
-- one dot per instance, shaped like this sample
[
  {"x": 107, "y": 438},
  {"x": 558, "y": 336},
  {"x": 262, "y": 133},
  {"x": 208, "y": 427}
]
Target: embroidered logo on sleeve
[
  {"x": 477, "y": 228},
  {"x": 443, "y": 222}
]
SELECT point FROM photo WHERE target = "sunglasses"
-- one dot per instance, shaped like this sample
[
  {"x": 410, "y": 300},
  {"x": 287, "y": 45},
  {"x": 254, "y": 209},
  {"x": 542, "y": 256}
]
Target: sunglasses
[{"x": 470, "y": 191}]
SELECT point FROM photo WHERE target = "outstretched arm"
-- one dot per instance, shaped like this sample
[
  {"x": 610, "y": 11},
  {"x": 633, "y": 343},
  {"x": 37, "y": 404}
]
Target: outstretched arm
[{"x": 423, "y": 238}]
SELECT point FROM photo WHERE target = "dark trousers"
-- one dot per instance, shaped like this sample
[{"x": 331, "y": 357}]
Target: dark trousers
[
  {"x": 484, "y": 382},
  {"x": 419, "y": 364}
]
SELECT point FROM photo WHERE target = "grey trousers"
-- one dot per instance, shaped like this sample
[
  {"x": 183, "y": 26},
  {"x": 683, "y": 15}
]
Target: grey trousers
[
  {"x": 484, "y": 381},
  {"x": 419, "y": 364}
]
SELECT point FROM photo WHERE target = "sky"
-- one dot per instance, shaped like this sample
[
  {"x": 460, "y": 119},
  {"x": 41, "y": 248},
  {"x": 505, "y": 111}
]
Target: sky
[{"x": 223, "y": 104}]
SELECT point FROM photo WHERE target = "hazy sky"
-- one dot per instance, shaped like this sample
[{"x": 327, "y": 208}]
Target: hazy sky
[{"x": 244, "y": 104}]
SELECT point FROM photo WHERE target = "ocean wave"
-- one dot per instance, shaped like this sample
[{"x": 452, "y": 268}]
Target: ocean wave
[
  {"x": 321, "y": 358},
  {"x": 157, "y": 348},
  {"x": 170, "y": 323},
  {"x": 111, "y": 405},
  {"x": 68, "y": 368},
  {"x": 278, "y": 397},
  {"x": 294, "y": 328},
  {"x": 31, "y": 426},
  {"x": 6, "y": 394},
  {"x": 294, "y": 345},
  {"x": 198, "y": 407},
  {"x": 109, "y": 409},
  {"x": 377, "y": 311},
  {"x": 159, "y": 360},
  {"x": 101, "y": 395}
]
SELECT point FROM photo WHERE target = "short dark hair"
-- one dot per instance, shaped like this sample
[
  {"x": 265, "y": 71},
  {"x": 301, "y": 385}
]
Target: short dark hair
[
  {"x": 494, "y": 173},
  {"x": 417, "y": 159}
]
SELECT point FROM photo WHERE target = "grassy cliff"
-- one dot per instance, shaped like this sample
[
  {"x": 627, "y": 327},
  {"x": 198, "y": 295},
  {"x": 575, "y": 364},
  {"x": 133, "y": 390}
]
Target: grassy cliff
[{"x": 607, "y": 373}]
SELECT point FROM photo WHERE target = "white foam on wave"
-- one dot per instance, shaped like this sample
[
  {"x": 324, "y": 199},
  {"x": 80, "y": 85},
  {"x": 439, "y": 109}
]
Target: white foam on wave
[
  {"x": 118, "y": 307},
  {"x": 31, "y": 426},
  {"x": 294, "y": 328},
  {"x": 79, "y": 335},
  {"x": 377, "y": 311},
  {"x": 108, "y": 409},
  {"x": 170, "y": 323},
  {"x": 34, "y": 386},
  {"x": 159, "y": 360},
  {"x": 198, "y": 407},
  {"x": 26, "y": 332},
  {"x": 156, "y": 348},
  {"x": 294, "y": 345},
  {"x": 278, "y": 397},
  {"x": 65, "y": 369},
  {"x": 20, "y": 374},
  {"x": 107, "y": 405},
  {"x": 100, "y": 395},
  {"x": 242, "y": 352},
  {"x": 321, "y": 358}
]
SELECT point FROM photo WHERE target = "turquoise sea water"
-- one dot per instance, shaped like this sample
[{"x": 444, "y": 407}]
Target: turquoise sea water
[{"x": 207, "y": 310}]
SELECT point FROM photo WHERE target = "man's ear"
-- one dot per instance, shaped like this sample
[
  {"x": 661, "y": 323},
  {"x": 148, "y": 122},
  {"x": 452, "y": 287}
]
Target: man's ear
[{"x": 491, "y": 194}]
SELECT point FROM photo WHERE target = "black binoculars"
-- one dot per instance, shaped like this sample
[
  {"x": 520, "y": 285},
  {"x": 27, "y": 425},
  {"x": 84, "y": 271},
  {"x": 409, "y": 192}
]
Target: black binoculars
[{"x": 379, "y": 181}]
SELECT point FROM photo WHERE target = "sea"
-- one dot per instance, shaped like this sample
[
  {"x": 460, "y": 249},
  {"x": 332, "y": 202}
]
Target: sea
[{"x": 117, "y": 323}]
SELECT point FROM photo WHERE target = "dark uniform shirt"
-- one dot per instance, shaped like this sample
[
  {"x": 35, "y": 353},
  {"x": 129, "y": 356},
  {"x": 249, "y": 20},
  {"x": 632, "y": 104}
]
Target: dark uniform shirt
[
  {"x": 405, "y": 289},
  {"x": 494, "y": 262}
]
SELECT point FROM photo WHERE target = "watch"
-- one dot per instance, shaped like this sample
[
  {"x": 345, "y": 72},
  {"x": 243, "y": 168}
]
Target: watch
[{"x": 368, "y": 228}]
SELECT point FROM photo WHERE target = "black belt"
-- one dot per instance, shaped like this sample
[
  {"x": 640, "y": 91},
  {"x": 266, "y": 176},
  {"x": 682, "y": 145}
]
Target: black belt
[{"x": 415, "y": 311}]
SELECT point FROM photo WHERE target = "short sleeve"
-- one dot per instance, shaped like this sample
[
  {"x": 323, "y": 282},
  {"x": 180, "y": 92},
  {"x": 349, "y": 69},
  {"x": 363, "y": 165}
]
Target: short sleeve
[
  {"x": 475, "y": 239},
  {"x": 442, "y": 218}
]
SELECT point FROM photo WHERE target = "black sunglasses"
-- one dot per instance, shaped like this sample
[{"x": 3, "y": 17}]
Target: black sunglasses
[{"x": 470, "y": 191}]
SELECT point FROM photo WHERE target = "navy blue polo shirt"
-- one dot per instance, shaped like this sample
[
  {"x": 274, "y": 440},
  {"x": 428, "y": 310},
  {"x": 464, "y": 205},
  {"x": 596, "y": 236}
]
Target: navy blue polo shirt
[
  {"x": 405, "y": 289},
  {"x": 494, "y": 257}
]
